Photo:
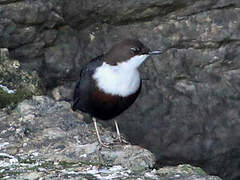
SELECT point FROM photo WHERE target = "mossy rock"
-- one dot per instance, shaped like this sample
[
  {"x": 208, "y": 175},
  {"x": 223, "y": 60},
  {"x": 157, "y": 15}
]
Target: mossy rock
[
  {"x": 183, "y": 170},
  {"x": 7, "y": 99},
  {"x": 15, "y": 83}
]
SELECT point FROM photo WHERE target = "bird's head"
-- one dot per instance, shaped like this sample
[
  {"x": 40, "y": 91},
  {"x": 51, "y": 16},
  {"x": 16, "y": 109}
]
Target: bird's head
[{"x": 129, "y": 52}]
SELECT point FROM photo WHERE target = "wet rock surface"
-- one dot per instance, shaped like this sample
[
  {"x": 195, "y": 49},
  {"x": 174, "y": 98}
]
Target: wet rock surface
[
  {"x": 188, "y": 110},
  {"x": 43, "y": 138}
]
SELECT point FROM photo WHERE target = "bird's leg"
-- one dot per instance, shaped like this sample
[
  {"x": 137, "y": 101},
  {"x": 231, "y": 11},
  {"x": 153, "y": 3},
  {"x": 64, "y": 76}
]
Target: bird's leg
[
  {"x": 118, "y": 133},
  {"x": 96, "y": 128}
]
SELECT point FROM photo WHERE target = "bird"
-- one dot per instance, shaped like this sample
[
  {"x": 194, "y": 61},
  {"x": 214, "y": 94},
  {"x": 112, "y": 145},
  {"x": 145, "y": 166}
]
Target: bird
[{"x": 110, "y": 83}]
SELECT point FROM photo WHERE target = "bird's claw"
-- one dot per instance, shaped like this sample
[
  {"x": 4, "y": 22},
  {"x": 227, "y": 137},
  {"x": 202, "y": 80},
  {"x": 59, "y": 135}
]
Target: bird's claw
[
  {"x": 121, "y": 140},
  {"x": 101, "y": 144}
]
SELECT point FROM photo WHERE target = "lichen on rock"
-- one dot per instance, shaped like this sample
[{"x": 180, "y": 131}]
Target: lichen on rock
[{"x": 15, "y": 83}]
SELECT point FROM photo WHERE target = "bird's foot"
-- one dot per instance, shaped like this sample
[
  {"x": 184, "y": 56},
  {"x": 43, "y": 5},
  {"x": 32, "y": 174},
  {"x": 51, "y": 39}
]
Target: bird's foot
[
  {"x": 119, "y": 137},
  {"x": 122, "y": 140},
  {"x": 101, "y": 144}
]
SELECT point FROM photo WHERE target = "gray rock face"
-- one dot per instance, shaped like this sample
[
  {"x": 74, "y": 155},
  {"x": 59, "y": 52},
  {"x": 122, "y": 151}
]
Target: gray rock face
[
  {"x": 188, "y": 110},
  {"x": 43, "y": 138},
  {"x": 51, "y": 129}
]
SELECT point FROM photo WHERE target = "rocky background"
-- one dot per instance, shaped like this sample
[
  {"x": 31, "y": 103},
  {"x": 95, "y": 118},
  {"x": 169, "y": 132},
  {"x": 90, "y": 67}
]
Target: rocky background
[{"x": 188, "y": 110}]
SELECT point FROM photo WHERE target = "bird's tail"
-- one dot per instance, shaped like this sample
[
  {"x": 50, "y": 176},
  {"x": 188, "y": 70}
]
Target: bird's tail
[{"x": 75, "y": 104}]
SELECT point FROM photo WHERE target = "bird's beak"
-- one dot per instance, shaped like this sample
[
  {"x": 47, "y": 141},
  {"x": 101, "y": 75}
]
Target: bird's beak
[{"x": 157, "y": 52}]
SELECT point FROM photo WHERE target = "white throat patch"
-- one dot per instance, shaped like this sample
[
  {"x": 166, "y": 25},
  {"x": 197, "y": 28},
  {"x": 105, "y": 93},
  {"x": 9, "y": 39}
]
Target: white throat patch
[{"x": 122, "y": 79}]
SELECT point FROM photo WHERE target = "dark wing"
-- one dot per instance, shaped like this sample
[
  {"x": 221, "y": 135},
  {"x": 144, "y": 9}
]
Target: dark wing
[{"x": 85, "y": 83}]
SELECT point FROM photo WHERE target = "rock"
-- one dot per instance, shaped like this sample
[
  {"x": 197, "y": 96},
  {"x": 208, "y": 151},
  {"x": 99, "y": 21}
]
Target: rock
[
  {"x": 133, "y": 157},
  {"x": 44, "y": 138},
  {"x": 16, "y": 84},
  {"x": 50, "y": 130},
  {"x": 188, "y": 108},
  {"x": 183, "y": 172},
  {"x": 63, "y": 92}
]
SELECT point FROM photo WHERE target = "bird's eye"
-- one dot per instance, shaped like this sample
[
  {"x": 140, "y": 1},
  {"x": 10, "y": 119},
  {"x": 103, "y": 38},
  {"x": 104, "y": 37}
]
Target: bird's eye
[{"x": 135, "y": 50}]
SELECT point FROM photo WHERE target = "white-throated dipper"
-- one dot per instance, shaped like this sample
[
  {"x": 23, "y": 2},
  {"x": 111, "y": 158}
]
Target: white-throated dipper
[{"x": 110, "y": 83}]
